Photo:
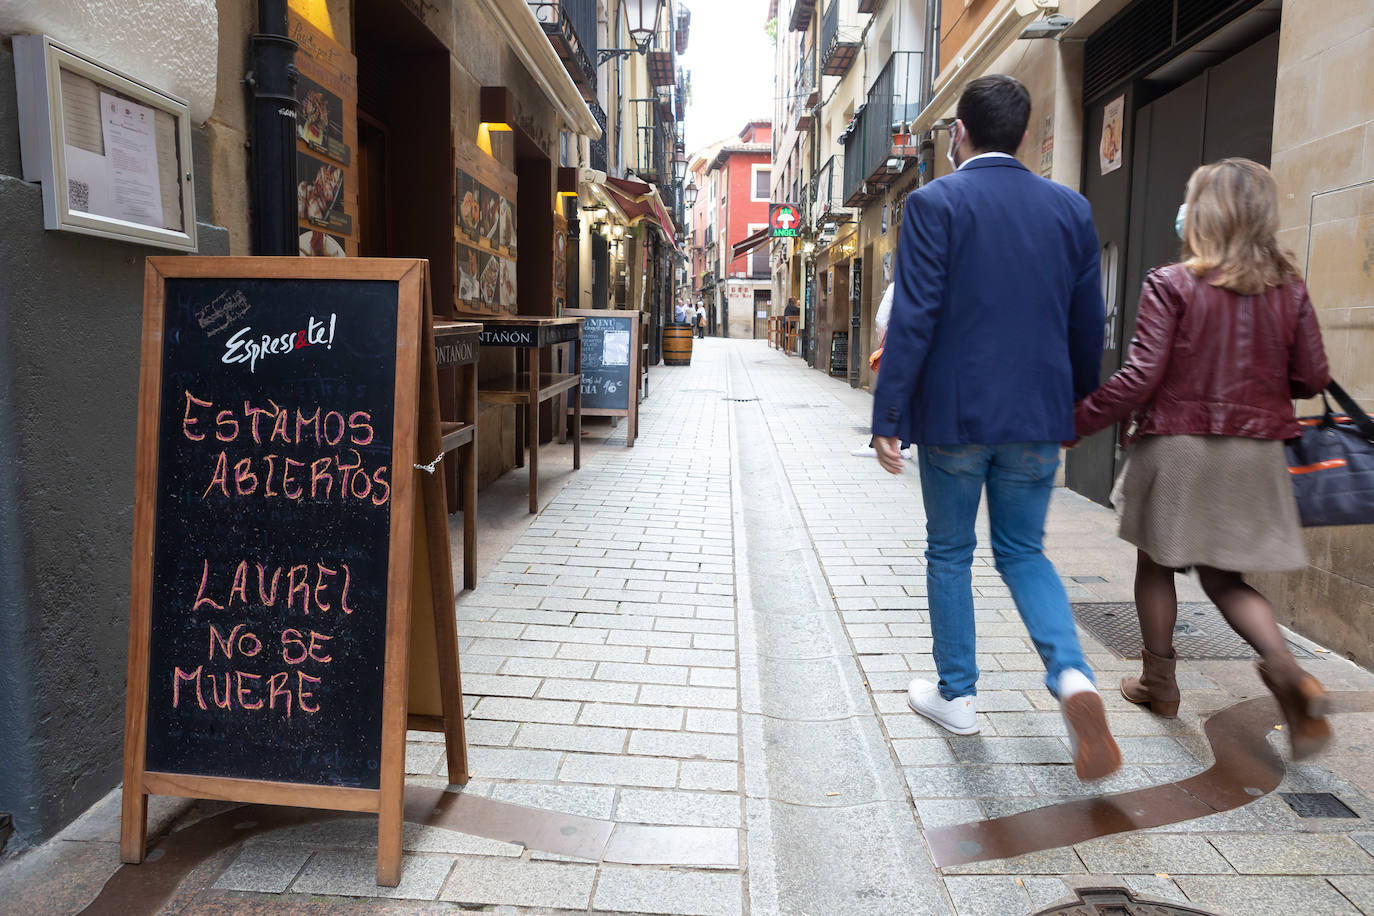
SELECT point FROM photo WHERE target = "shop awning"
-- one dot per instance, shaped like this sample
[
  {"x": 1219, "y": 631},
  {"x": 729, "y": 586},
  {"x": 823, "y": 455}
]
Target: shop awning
[
  {"x": 750, "y": 242},
  {"x": 997, "y": 33},
  {"x": 633, "y": 202}
]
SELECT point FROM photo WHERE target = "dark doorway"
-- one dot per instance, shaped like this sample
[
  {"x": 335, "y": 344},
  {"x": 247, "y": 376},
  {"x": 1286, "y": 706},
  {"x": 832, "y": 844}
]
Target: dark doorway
[
  {"x": 1225, "y": 110},
  {"x": 405, "y": 163}
]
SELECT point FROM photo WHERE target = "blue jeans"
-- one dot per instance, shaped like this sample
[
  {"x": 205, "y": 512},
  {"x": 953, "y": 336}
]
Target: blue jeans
[{"x": 1019, "y": 479}]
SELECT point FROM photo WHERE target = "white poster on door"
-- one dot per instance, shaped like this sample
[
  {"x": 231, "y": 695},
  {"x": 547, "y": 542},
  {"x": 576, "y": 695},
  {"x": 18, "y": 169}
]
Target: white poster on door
[{"x": 1113, "y": 139}]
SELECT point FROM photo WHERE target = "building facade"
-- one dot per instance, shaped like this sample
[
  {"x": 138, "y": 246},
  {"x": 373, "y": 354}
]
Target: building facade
[
  {"x": 574, "y": 108},
  {"x": 849, "y": 75},
  {"x": 740, "y": 177}
]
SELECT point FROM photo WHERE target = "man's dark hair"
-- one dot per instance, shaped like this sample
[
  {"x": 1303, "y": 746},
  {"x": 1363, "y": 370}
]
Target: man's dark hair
[{"x": 995, "y": 110}]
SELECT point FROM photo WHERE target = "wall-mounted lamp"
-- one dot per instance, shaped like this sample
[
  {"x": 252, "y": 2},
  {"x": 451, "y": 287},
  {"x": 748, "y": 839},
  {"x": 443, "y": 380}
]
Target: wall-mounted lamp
[
  {"x": 567, "y": 181},
  {"x": 641, "y": 20},
  {"x": 809, "y": 249},
  {"x": 496, "y": 108},
  {"x": 617, "y": 232},
  {"x": 689, "y": 195}
]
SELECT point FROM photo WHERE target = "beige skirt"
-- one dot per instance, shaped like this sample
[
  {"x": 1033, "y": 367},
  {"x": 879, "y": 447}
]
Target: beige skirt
[{"x": 1220, "y": 501}]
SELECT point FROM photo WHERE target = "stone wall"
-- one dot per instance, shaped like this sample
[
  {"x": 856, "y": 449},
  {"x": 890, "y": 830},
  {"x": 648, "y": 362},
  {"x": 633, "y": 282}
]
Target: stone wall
[
  {"x": 1324, "y": 163},
  {"x": 70, "y": 318}
]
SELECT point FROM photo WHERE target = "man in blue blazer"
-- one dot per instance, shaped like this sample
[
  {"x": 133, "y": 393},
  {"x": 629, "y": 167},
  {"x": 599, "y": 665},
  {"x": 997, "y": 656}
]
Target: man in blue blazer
[{"x": 996, "y": 330}]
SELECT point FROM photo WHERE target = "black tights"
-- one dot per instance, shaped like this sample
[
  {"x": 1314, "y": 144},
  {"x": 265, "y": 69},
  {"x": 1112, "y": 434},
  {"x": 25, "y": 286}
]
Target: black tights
[{"x": 1247, "y": 611}]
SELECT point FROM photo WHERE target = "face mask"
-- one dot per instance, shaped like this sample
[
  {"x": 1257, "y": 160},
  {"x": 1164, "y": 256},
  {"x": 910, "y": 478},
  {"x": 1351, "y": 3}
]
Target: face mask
[
  {"x": 954, "y": 141},
  {"x": 1178, "y": 220}
]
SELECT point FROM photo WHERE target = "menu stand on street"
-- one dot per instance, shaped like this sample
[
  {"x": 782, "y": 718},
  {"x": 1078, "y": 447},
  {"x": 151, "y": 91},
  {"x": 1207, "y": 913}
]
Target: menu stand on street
[
  {"x": 531, "y": 385},
  {"x": 456, "y": 346}
]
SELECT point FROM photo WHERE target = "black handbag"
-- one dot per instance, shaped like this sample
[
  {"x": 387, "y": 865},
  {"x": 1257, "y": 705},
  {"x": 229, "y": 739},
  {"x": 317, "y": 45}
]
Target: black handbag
[{"x": 1332, "y": 465}]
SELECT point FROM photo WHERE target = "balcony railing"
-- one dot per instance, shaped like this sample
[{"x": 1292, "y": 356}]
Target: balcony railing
[
  {"x": 805, "y": 92},
  {"x": 827, "y": 193},
  {"x": 839, "y": 40},
  {"x": 653, "y": 141},
  {"x": 878, "y": 133},
  {"x": 598, "y": 147},
  {"x": 570, "y": 26}
]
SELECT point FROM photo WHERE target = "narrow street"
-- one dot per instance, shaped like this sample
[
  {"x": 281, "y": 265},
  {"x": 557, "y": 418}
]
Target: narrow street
[{"x": 686, "y": 692}]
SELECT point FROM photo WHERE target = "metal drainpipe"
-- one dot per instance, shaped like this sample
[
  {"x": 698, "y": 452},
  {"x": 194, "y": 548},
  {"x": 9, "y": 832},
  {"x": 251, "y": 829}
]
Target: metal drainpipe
[
  {"x": 273, "y": 84},
  {"x": 928, "y": 74}
]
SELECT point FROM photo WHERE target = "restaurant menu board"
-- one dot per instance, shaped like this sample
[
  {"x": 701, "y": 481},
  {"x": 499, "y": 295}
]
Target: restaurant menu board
[
  {"x": 326, "y": 135},
  {"x": 607, "y": 339},
  {"x": 273, "y": 511},
  {"x": 485, "y": 246},
  {"x": 121, "y": 157}
]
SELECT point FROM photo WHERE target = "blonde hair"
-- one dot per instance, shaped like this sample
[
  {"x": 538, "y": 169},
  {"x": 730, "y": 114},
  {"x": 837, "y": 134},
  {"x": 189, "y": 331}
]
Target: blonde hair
[{"x": 1229, "y": 228}]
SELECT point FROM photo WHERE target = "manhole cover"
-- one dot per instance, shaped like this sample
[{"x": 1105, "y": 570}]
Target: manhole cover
[
  {"x": 1118, "y": 901},
  {"x": 1317, "y": 804},
  {"x": 1201, "y": 631}
]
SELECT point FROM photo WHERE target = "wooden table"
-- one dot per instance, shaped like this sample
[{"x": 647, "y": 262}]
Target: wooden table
[
  {"x": 456, "y": 346},
  {"x": 531, "y": 385}
]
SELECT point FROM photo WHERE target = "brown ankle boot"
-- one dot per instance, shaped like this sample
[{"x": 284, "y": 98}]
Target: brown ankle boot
[
  {"x": 1155, "y": 686},
  {"x": 1302, "y": 700}
]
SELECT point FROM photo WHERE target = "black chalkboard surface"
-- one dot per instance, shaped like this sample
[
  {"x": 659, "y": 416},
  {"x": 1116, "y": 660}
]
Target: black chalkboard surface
[
  {"x": 611, "y": 351},
  {"x": 279, "y": 520},
  {"x": 608, "y": 344},
  {"x": 273, "y": 519}
]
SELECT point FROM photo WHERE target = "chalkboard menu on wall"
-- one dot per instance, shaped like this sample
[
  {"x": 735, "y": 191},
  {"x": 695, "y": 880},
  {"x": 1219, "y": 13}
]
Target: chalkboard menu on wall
[
  {"x": 610, "y": 365},
  {"x": 276, "y": 524}
]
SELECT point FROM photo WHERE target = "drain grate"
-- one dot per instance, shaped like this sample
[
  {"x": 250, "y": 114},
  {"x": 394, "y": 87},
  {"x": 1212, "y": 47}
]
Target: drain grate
[
  {"x": 1118, "y": 901},
  {"x": 1201, "y": 631},
  {"x": 740, "y": 400},
  {"x": 1317, "y": 804}
]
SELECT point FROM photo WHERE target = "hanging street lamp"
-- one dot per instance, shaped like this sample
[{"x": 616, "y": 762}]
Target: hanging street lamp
[{"x": 641, "y": 20}]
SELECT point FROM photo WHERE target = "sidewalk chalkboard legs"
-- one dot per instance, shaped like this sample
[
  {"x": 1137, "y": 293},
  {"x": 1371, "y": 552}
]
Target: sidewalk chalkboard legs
[
  {"x": 577, "y": 407},
  {"x": 536, "y": 368}
]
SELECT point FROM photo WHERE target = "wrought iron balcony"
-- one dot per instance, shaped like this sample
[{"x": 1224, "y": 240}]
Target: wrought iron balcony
[
  {"x": 570, "y": 26},
  {"x": 840, "y": 40},
  {"x": 878, "y": 134},
  {"x": 827, "y": 193},
  {"x": 653, "y": 141},
  {"x": 598, "y": 147},
  {"x": 805, "y": 92}
]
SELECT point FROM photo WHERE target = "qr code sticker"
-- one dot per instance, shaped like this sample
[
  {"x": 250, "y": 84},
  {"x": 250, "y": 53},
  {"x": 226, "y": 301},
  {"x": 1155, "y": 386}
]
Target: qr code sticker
[{"x": 79, "y": 195}]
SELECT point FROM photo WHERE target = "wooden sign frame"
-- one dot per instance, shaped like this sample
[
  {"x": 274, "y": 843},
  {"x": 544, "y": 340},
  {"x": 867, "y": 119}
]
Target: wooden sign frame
[
  {"x": 632, "y": 393},
  {"x": 417, "y": 521}
]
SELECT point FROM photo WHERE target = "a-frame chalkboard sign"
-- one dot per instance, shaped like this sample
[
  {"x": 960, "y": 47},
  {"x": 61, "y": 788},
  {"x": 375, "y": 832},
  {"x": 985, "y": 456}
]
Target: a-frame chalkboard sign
[{"x": 284, "y": 528}]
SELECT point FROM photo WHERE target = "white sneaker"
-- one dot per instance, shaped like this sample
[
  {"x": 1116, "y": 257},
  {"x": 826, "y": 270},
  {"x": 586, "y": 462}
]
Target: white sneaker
[
  {"x": 906, "y": 453},
  {"x": 864, "y": 451},
  {"x": 1095, "y": 752},
  {"x": 957, "y": 715}
]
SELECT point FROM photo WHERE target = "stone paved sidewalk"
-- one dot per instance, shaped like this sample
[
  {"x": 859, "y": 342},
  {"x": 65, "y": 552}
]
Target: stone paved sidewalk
[{"x": 706, "y": 639}]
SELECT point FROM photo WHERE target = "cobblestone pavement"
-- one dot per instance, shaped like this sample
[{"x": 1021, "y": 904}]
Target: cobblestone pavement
[{"x": 706, "y": 640}]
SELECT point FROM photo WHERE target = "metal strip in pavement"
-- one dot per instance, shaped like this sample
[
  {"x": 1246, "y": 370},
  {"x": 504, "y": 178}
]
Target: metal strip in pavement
[{"x": 1246, "y": 768}]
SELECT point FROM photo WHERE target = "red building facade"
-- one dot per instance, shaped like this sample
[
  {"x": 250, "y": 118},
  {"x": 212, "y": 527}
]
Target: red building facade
[{"x": 733, "y": 181}]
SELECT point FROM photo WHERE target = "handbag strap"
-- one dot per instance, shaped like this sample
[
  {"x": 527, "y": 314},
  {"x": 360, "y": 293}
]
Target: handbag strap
[{"x": 1357, "y": 416}]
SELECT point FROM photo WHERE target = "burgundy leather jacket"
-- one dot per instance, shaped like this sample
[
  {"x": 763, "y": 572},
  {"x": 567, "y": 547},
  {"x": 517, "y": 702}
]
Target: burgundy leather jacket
[{"x": 1209, "y": 362}]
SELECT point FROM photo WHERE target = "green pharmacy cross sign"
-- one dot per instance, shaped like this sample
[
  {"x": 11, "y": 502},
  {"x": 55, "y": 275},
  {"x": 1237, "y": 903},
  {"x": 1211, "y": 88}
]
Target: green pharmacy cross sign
[{"x": 784, "y": 220}]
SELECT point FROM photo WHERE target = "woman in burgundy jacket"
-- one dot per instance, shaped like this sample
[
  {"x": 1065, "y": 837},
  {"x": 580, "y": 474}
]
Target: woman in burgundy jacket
[{"x": 1224, "y": 341}]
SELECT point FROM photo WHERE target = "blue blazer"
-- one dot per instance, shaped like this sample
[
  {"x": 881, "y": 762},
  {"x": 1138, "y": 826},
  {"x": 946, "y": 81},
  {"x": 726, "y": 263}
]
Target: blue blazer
[{"x": 997, "y": 315}]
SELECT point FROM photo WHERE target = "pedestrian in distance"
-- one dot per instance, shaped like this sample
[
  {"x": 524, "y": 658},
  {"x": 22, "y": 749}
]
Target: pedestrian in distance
[
  {"x": 680, "y": 313},
  {"x": 701, "y": 320},
  {"x": 1225, "y": 339},
  {"x": 880, "y": 322},
  {"x": 996, "y": 330}
]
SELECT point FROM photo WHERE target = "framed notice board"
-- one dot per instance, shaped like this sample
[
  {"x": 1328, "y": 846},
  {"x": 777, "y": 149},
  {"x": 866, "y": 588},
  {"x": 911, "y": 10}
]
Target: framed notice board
[
  {"x": 610, "y": 365},
  {"x": 326, "y": 138},
  {"x": 485, "y": 240},
  {"x": 285, "y": 405}
]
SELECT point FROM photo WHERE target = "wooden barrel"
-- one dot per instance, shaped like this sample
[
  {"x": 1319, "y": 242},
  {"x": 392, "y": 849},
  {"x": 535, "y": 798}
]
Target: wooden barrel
[{"x": 677, "y": 345}]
